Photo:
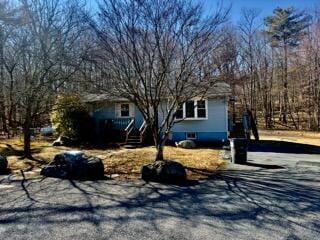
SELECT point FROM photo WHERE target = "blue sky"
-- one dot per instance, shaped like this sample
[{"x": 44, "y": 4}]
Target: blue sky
[{"x": 266, "y": 6}]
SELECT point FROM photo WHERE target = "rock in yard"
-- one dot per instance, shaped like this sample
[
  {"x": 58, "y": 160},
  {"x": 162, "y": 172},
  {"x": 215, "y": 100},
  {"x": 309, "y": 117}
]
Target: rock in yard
[
  {"x": 186, "y": 144},
  {"x": 3, "y": 164},
  {"x": 62, "y": 141},
  {"x": 164, "y": 171},
  {"x": 75, "y": 165}
]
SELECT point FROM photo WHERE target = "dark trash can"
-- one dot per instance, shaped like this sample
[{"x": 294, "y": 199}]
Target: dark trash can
[{"x": 239, "y": 149}]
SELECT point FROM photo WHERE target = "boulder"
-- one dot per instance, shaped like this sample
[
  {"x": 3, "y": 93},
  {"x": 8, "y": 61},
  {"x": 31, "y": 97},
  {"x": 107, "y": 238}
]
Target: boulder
[
  {"x": 3, "y": 164},
  {"x": 75, "y": 165},
  {"x": 186, "y": 144},
  {"x": 164, "y": 171},
  {"x": 62, "y": 141}
]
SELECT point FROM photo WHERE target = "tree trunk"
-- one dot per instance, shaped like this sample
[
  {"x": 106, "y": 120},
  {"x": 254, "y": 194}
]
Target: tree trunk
[
  {"x": 27, "y": 135},
  {"x": 285, "y": 85},
  {"x": 27, "y": 142},
  {"x": 159, "y": 155}
]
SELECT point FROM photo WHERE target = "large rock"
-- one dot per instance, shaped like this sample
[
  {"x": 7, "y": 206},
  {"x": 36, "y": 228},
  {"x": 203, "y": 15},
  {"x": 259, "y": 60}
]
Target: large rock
[
  {"x": 62, "y": 141},
  {"x": 3, "y": 164},
  {"x": 186, "y": 144},
  {"x": 164, "y": 171},
  {"x": 75, "y": 165}
]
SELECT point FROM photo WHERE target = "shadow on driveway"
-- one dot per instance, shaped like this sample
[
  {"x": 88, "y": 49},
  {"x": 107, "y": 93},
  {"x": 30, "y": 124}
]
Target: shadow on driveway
[
  {"x": 231, "y": 204},
  {"x": 282, "y": 147}
]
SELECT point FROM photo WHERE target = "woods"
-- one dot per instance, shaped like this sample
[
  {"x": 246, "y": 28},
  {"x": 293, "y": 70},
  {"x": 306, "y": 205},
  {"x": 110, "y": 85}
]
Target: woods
[{"x": 145, "y": 50}]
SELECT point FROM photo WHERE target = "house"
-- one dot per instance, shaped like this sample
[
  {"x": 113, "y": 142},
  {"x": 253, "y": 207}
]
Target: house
[{"x": 200, "y": 119}]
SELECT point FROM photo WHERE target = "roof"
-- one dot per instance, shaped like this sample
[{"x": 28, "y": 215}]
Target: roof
[{"x": 217, "y": 90}]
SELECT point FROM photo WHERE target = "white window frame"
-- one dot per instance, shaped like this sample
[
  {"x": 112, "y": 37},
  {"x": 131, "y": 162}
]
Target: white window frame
[
  {"x": 191, "y": 138},
  {"x": 195, "y": 110},
  {"x": 119, "y": 113},
  {"x": 121, "y": 110}
]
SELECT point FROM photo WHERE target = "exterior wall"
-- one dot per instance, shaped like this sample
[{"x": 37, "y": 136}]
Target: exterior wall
[
  {"x": 108, "y": 111},
  {"x": 215, "y": 128},
  {"x": 138, "y": 118},
  {"x": 105, "y": 112}
]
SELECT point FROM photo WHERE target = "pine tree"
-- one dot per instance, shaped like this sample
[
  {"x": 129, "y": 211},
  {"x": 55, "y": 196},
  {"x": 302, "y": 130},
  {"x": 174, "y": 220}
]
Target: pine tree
[{"x": 285, "y": 30}]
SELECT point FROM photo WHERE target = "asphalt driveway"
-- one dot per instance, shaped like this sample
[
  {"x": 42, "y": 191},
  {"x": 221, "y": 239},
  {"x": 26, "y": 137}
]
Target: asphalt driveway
[{"x": 273, "y": 197}]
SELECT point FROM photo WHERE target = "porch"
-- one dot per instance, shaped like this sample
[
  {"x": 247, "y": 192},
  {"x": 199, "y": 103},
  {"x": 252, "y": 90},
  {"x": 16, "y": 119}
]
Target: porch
[{"x": 123, "y": 130}]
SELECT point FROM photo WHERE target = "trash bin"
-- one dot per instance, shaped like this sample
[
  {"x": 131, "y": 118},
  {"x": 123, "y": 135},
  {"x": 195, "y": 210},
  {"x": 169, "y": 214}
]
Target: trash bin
[
  {"x": 239, "y": 148},
  {"x": 227, "y": 152}
]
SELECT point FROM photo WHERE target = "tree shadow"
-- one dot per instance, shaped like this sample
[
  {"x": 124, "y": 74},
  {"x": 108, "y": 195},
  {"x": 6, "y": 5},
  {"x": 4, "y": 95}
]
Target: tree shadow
[
  {"x": 264, "y": 166},
  {"x": 282, "y": 147},
  {"x": 229, "y": 203},
  {"x": 10, "y": 150}
]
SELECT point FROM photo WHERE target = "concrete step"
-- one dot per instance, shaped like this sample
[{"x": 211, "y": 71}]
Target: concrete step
[
  {"x": 133, "y": 142},
  {"x": 132, "y": 146}
]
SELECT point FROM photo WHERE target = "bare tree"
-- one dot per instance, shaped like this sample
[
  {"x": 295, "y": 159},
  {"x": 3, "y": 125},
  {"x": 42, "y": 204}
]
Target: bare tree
[
  {"x": 157, "y": 55},
  {"x": 47, "y": 59},
  {"x": 9, "y": 16},
  {"x": 249, "y": 28}
]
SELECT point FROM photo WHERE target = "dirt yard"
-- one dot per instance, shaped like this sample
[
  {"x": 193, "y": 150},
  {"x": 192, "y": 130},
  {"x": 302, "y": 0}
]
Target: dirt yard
[{"x": 120, "y": 163}]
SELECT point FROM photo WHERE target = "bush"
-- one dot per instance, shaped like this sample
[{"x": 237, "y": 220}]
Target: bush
[{"x": 70, "y": 117}]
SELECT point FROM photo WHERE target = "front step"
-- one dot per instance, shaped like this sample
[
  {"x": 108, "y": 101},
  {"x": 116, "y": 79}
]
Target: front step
[
  {"x": 132, "y": 146},
  {"x": 134, "y": 139}
]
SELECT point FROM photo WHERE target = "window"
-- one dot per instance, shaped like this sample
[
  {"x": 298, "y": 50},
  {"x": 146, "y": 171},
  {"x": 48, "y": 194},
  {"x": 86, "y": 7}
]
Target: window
[
  {"x": 125, "y": 110},
  {"x": 190, "y": 109},
  {"x": 191, "y": 135},
  {"x": 201, "y": 109},
  {"x": 193, "y": 110}
]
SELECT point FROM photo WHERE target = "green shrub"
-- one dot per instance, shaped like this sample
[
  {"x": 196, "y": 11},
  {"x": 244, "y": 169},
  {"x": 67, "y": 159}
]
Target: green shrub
[{"x": 70, "y": 117}]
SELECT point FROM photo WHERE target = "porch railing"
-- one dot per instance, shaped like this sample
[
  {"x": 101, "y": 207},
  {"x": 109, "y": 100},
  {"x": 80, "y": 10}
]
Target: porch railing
[
  {"x": 142, "y": 131},
  {"x": 119, "y": 123},
  {"x": 129, "y": 128}
]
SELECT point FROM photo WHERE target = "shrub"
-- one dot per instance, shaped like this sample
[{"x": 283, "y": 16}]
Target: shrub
[{"x": 70, "y": 117}]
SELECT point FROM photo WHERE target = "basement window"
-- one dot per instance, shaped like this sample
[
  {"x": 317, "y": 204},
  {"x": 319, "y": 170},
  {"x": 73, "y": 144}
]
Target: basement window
[{"x": 191, "y": 135}]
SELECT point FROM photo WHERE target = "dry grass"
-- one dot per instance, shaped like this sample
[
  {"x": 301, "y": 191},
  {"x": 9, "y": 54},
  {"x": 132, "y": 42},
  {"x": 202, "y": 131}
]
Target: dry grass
[
  {"x": 199, "y": 162},
  {"x": 123, "y": 163},
  {"x": 303, "y": 137}
]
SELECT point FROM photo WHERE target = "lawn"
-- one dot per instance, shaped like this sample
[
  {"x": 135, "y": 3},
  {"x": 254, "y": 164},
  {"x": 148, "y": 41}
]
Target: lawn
[
  {"x": 120, "y": 163},
  {"x": 303, "y": 137}
]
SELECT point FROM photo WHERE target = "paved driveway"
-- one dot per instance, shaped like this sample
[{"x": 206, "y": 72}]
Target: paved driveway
[{"x": 246, "y": 202}]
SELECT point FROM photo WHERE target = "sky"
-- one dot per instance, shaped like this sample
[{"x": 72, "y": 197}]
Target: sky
[{"x": 266, "y": 6}]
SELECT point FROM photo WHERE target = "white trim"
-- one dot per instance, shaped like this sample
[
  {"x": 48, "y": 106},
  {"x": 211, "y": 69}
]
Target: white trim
[
  {"x": 191, "y": 138},
  {"x": 118, "y": 110},
  {"x": 195, "y": 118}
]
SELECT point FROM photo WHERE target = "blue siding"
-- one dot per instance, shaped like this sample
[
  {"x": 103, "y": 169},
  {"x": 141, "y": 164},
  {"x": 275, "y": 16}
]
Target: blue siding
[
  {"x": 138, "y": 118},
  {"x": 201, "y": 136},
  {"x": 216, "y": 122},
  {"x": 214, "y": 128},
  {"x": 108, "y": 112}
]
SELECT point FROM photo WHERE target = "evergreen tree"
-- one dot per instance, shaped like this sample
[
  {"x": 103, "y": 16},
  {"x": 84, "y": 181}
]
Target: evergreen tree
[{"x": 285, "y": 30}]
